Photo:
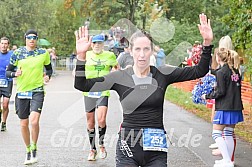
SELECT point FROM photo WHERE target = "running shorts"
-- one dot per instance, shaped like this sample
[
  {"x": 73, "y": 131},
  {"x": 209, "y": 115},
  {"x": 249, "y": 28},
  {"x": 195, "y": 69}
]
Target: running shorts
[
  {"x": 92, "y": 103},
  {"x": 25, "y": 106}
]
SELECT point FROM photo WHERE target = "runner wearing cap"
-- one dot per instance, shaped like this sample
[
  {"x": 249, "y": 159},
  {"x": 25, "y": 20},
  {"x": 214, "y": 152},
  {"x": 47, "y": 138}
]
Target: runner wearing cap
[
  {"x": 30, "y": 62},
  {"x": 98, "y": 63}
]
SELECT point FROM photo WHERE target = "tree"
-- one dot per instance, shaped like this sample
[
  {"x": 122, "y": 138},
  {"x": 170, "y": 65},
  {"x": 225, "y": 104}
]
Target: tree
[
  {"x": 240, "y": 22},
  {"x": 176, "y": 48},
  {"x": 62, "y": 29},
  {"x": 107, "y": 13},
  {"x": 20, "y": 15},
  {"x": 104, "y": 13},
  {"x": 50, "y": 18}
]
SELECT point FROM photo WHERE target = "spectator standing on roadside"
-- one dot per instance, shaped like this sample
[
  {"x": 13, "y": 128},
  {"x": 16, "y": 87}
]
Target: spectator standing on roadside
[
  {"x": 228, "y": 105},
  {"x": 124, "y": 59},
  {"x": 72, "y": 57},
  {"x": 53, "y": 57},
  {"x": 14, "y": 47},
  {"x": 160, "y": 56}
]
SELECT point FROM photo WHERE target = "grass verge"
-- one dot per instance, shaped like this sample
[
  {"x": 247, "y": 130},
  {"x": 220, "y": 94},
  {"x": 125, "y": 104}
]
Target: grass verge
[{"x": 183, "y": 99}]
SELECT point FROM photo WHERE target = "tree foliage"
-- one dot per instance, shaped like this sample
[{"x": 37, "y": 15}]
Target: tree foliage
[
  {"x": 184, "y": 37},
  {"x": 239, "y": 21},
  {"x": 107, "y": 13},
  {"x": 56, "y": 20},
  {"x": 20, "y": 15}
]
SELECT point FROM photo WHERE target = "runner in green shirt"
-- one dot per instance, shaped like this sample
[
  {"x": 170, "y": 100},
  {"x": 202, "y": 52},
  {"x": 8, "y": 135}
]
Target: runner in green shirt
[
  {"x": 29, "y": 62},
  {"x": 98, "y": 63}
]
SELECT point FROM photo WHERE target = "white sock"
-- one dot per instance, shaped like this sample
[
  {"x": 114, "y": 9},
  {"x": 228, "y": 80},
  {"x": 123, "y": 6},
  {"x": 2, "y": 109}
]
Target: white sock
[
  {"x": 228, "y": 134},
  {"x": 217, "y": 136}
]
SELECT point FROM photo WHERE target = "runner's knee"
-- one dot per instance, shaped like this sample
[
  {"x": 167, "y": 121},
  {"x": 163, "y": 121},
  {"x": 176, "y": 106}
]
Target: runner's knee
[
  {"x": 102, "y": 122},
  {"x": 5, "y": 105},
  {"x": 34, "y": 123},
  {"x": 90, "y": 124},
  {"x": 24, "y": 123}
]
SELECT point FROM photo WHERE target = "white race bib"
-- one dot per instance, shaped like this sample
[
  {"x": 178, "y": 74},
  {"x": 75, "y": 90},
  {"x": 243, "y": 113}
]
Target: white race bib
[
  {"x": 94, "y": 94},
  {"x": 154, "y": 140},
  {"x": 25, "y": 95},
  {"x": 3, "y": 83}
]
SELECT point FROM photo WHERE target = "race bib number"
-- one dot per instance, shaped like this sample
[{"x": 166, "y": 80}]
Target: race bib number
[
  {"x": 154, "y": 140},
  {"x": 25, "y": 95},
  {"x": 94, "y": 94},
  {"x": 3, "y": 83}
]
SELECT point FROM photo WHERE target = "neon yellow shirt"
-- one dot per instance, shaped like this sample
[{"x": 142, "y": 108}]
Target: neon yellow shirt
[
  {"x": 32, "y": 65},
  {"x": 98, "y": 65}
]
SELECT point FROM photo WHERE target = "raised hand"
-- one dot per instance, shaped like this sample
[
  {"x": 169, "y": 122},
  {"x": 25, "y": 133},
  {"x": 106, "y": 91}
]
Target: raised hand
[
  {"x": 205, "y": 29},
  {"x": 83, "y": 42}
]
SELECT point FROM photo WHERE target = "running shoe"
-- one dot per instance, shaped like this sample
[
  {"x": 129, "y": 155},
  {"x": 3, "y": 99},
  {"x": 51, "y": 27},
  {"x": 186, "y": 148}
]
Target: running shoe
[
  {"x": 213, "y": 146},
  {"x": 34, "y": 157},
  {"x": 222, "y": 163},
  {"x": 28, "y": 160},
  {"x": 3, "y": 127},
  {"x": 103, "y": 152},
  {"x": 92, "y": 155}
]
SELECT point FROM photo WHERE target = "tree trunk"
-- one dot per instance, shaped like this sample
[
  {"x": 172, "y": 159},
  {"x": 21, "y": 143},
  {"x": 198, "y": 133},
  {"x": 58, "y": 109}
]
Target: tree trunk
[
  {"x": 132, "y": 8},
  {"x": 144, "y": 21}
]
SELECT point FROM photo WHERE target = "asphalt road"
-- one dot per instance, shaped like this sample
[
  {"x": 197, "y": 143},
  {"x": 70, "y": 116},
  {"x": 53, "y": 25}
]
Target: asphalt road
[{"x": 63, "y": 138}]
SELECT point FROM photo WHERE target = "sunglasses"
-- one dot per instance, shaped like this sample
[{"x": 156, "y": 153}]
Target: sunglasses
[
  {"x": 98, "y": 42},
  {"x": 32, "y": 37}
]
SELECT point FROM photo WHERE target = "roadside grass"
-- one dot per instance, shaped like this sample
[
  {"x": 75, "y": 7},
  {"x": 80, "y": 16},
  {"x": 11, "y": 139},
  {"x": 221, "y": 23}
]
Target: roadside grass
[{"x": 183, "y": 99}]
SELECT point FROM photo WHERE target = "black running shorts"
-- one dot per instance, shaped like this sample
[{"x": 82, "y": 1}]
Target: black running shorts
[
  {"x": 6, "y": 91},
  {"x": 129, "y": 153},
  {"x": 92, "y": 103},
  {"x": 25, "y": 106}
]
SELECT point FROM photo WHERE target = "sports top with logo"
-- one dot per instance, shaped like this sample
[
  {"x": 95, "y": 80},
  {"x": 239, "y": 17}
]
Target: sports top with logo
[
  {"x": 142, "y": 138},
  {"x": 31, "y": 63},
  {"x": 98, "y": 65},
  {"x": 142, "y": 101},
  {"x": 4, "y": 59}
]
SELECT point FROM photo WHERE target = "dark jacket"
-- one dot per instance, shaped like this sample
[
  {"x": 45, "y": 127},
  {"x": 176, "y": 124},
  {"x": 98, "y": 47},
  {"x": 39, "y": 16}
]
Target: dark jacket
[
  {"x": 227, "y": 94},
  {"x": 142, "y": 98}
]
